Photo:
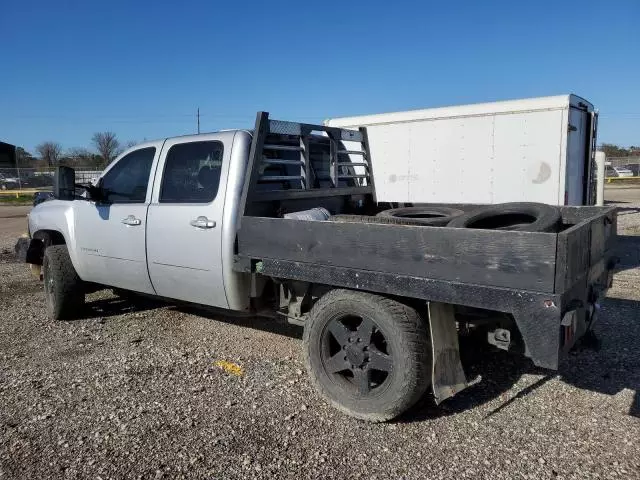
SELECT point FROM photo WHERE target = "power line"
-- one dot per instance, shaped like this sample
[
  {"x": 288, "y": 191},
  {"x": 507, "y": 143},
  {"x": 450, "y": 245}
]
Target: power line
[{"x": 146, "y": 116}]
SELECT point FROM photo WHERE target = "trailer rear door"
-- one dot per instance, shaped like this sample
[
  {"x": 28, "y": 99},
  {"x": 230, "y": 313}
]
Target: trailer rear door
[{"x": 578, "y": 156}]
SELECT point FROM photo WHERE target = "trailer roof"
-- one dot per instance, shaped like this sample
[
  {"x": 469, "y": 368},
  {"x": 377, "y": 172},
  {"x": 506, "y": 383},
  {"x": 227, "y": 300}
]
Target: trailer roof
[{"x": 504, "y": 107}]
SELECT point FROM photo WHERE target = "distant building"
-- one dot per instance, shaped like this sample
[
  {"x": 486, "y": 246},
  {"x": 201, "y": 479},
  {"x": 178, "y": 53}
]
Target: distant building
[{"x": 7, "y": 155}]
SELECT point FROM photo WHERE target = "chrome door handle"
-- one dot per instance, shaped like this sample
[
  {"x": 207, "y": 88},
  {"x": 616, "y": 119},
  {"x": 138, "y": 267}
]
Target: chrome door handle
[
  {"x": 202, "y": 222},
  {"x": 131, "y": 220}
]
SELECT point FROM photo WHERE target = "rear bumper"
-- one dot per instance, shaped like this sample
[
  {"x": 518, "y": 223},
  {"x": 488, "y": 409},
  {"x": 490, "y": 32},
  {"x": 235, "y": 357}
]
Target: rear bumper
[
  {"x": 550, "y": 325},
  {"x": 583, "y": 309}
]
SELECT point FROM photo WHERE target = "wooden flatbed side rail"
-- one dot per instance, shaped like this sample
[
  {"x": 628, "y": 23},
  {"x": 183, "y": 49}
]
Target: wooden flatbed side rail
[{"x": 520, "y": 260}]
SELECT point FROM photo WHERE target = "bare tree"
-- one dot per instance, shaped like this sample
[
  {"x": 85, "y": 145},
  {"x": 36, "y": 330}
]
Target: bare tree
[
  {"x": 81, "y": 156},
  {"x": 49, "y": 152},
  {"x": 130, "y": 143},
  {"x": 107, "y": 145}
]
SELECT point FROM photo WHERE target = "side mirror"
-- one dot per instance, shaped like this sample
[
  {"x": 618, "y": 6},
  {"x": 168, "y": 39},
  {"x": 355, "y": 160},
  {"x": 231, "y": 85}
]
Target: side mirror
[{"x": 64, "y": 183}]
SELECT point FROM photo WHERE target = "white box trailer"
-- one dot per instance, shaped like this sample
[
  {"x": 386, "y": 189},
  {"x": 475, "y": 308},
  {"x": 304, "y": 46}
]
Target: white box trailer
[{"x": 534, "y": 150}]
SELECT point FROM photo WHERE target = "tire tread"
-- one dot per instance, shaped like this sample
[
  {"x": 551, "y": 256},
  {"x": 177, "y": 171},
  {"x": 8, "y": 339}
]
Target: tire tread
[
  {"x": 68, "y": 290},
  {"x": 415, "y": 380}
]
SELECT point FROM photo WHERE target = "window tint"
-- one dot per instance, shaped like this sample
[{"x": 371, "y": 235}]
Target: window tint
[
  {"x": 192, "y": 173},
  {"x": 127, "y": 181}
]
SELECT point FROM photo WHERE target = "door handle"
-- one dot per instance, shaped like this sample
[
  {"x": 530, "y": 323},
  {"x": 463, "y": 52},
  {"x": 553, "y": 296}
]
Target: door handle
[
  {"x": 202, "y": 222},
  {"x": 131, "y": 220}
]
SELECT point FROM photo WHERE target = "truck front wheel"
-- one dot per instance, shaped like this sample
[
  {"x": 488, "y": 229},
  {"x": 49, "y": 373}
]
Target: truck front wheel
[
  {"x": 63, "y": 289},
  {"x": 369, "y": 356}
]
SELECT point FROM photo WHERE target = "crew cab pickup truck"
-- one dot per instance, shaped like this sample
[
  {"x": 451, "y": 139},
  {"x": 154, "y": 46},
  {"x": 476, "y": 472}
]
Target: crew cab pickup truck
[{"x": 240, "y": 220}]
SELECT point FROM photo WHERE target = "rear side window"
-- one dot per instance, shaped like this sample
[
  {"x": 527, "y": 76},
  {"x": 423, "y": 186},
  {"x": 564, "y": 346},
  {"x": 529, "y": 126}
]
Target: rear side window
[
  {"x": 128, "y": 180},
  {"x": 192, "y": 173}
]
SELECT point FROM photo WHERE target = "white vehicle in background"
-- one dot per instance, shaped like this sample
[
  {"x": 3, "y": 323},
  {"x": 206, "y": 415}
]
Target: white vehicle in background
[
  {"x": 533, "y": 150},
  {"x": 618, "y": 172},
  {"x": 8, "y": 183}
]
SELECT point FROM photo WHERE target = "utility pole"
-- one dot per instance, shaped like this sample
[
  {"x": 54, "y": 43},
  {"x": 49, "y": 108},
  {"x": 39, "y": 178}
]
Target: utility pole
[{"x": 198, "y": 115}]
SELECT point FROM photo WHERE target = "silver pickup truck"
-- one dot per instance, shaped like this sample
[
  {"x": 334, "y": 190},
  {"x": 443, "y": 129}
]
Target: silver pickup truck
[{"x": 283, "y": 219}]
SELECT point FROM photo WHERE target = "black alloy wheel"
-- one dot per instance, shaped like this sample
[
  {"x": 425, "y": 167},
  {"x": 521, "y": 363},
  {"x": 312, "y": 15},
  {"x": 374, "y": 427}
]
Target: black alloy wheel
[{"x": 355, "y": 353}]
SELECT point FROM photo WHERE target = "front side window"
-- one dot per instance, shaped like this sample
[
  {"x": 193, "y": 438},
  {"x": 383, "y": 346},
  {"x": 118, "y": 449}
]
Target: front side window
[
  {"x": 192, "y": 173},
  {"x": 128, "y": 180}
]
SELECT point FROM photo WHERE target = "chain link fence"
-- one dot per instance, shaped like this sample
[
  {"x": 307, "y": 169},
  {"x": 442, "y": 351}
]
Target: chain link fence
[
  {"x": 41, "y": 178},
  {"x": 12, "y": 179},
  {"x": 619, "y": 167}
]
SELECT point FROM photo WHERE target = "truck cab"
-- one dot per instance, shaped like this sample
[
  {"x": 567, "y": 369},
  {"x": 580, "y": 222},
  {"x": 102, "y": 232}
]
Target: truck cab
[{"x": 164, "y": 222}]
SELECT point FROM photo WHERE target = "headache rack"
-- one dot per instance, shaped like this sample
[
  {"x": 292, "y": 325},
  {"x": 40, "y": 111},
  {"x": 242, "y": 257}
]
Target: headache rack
[{"x": 290, "y": 160}]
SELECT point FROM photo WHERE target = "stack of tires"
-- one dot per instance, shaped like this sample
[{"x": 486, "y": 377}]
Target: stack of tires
[{"x": 517, "y": 216}]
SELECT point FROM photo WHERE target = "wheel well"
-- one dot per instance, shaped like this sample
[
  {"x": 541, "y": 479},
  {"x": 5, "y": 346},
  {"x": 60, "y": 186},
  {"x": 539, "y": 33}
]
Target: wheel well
[
  {"x": 40, "y": 241},
  {"x": 50, "y": 237}
]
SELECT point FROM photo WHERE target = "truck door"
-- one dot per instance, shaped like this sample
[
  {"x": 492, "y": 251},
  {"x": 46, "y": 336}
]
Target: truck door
[
  {"x": 184, "y": 231},
  {"x": 577, "y": 152},
  {"x": 110, "y": 234}
]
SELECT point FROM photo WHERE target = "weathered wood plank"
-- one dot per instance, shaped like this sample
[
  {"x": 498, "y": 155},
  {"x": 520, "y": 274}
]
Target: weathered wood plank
[
  {"x": 500, "y": 299},
  {"x": 574, "y": 215},
  {"x": 572, "y": 255},
  {"x": 598, "y": 240},
  {"x": 522, "y": 260}
]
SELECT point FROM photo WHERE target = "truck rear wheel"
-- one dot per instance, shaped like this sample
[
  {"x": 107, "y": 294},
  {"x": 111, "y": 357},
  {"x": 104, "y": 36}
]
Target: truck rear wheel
[
  {"x": 369, "y": 356},
  {"x": 63, "y": 289}
]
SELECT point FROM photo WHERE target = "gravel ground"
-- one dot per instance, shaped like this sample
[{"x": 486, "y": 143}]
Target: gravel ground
[{"x": 133, "y": 391}]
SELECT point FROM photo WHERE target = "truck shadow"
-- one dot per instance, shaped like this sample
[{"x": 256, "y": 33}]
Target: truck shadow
[
  {"x": 497, "y": 371},
  {"x": 114, "y": 306},
  {"x": 612, "y": 364},
  {"x": 627, "y": 249},
  {"x": 606, "y": 363},
  {"x": 278, "y": 325}
]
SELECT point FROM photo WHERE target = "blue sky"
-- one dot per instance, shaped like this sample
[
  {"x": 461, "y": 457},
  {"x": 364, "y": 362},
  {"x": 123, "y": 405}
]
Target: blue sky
[{"x": 140, "y": 69}]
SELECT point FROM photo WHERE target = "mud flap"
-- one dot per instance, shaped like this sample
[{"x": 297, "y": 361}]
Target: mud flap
[
  {"x": 573, "y": 327},
  {"x": 29, "y": 251},
  {"x": 21, "y": 249},
  {"x": 447, "y": 375}
]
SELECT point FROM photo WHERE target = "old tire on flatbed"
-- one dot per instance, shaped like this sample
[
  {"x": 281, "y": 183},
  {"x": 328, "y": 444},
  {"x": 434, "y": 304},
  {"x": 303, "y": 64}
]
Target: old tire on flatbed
[
  {"x": 63, "y": 289},
  {"x": 515, "y": 216},
  {"x": 433, "y": 215},
  {"x": 368, "y": 355}
]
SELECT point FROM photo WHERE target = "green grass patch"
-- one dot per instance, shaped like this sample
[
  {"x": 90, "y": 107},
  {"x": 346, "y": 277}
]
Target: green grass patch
[{"x": 16, "y": 200}]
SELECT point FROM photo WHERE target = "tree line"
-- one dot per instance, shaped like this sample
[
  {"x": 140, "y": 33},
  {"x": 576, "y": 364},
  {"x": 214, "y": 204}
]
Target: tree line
[
  {"x": 612, "y": 150},
  {"x": 106, "y": 147}
]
